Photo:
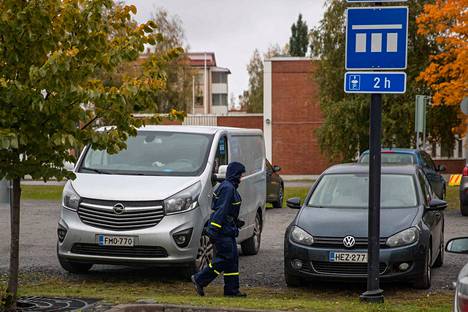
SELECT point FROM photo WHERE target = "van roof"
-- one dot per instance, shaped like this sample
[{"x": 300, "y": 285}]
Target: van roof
[{"x": 195, "y": 129}]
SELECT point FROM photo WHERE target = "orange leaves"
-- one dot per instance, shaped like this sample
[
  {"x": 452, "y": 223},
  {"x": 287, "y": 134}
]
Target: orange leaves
[{"x": 446, "y": 22}]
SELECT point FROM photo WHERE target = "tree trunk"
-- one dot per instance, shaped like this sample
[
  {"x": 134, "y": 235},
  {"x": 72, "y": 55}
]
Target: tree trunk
[{"x": 15, "y": 196}]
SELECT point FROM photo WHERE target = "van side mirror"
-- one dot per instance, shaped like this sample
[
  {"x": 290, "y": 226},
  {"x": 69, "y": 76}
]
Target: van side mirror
[
  {"x": 441, "y": 168},
  {"x": 457, "y": 245},
  {"x": 276, "y": 168},
  {"x": 294, "y": 203},
  {"x": 221, "y": 174},
  {"x": 437, "y": 204}
]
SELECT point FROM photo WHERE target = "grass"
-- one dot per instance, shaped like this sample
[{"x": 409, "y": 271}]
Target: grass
[
  {"x": 115, "y": 290},
  {"x": 41, "y": 192},
  {"x": 54, "y": 192}
]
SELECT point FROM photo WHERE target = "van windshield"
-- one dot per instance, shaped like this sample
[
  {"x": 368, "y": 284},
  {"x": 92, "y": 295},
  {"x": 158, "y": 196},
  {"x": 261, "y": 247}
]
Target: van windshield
[
  {"x": 153, "y": 153},
  {"x": 352, "y": 191}
]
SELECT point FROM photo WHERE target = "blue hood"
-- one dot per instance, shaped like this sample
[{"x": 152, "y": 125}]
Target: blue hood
[{"x": 234, "y": 173}]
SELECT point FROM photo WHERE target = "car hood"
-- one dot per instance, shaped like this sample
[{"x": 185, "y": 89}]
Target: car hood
[
  {"x": 130, "y": 188},
  {"x": 340, "y": 222}
]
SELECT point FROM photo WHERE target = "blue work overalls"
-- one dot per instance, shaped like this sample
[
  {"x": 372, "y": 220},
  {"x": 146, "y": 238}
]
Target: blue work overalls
[{"x": 223, "y": 230}]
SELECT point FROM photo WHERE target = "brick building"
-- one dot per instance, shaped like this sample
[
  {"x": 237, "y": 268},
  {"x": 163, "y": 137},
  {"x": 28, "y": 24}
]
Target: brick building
[{"x": 291, "y": 115}]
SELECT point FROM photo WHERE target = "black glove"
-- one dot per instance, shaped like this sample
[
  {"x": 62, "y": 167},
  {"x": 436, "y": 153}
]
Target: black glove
[{"x": 240, "y": 223}]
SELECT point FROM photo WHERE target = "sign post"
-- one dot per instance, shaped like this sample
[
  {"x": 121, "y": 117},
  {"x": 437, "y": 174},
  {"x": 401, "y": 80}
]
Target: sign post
[{"x": 376, "y": 40}]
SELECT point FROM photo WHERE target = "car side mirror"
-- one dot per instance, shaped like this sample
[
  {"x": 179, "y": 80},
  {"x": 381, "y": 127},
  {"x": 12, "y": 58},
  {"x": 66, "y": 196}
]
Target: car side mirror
[
  {"x": 276, "y": 168},
  {"x": 294, "y": 203},
  {"x": 220, "y": 176},
  {"x": 457, "y": 245},
  {"x": 437, "y": 204},
  {"x": 441, "y": 168}
]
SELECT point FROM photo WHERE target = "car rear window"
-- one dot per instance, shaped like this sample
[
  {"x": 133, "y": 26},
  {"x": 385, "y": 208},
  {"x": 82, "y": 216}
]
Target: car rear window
[
  {"x": 352, "y": 191},
  {"x": 392, "y": 158}
]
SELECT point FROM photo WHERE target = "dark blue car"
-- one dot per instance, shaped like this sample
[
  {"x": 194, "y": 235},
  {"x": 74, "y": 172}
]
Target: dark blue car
[{"x": 404, "y": 156}]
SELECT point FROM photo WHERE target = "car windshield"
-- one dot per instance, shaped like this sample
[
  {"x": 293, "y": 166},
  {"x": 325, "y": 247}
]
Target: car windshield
[
  {"x": 153, "y": 153},
  {"x": 392, "y": 158},
  {"x": 352, "y": 191}
]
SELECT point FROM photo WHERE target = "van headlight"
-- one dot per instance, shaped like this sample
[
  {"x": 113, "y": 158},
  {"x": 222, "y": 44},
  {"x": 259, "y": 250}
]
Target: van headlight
[
  {"x": 183, "y": 201},
  {"x": 403, "y": 238},
  {"x": 70, "y": 199},
  {"x": 300, "y": 236}
]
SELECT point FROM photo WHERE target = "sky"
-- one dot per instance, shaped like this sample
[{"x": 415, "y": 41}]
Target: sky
[{"x": 233, "y": 29}]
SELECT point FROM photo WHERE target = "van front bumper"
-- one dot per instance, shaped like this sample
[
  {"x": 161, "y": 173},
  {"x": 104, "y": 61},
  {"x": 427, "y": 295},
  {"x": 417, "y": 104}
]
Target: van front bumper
[{"x": 153, "y": 246}]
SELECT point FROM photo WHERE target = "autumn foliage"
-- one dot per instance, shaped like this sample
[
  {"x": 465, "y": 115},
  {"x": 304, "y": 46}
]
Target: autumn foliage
[{"x": 445, "y": 22}]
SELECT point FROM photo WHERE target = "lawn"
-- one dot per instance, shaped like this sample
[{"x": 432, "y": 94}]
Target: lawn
[
  {"x": 53, "y": 192},
  {"x": 121, "y": 290}
]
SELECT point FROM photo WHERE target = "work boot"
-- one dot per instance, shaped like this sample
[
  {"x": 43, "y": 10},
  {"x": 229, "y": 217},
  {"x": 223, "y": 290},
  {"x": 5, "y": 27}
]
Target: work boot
[
  {"x": 236, "y": 295},
  {"x": 198, "y": 287}
]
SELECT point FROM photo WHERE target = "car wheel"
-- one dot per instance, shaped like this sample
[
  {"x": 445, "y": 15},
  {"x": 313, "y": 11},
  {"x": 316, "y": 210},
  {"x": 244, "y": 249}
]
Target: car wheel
[
  {"x": 463, "y": 209},
  {"x": 251, "y": 246},
  {"x": 279, "y": 202},
  {"x": 423, "y": 281},
  {"x": 440, "y": 258}
]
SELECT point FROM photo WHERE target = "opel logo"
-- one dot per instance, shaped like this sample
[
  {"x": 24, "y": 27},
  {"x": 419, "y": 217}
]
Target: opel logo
[
  {"x": 119, "y": 208},
  {"x": 349, "y": 241}
]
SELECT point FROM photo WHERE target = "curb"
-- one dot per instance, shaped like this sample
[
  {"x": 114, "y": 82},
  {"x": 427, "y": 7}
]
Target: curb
[{"x": 174, "y": 308}]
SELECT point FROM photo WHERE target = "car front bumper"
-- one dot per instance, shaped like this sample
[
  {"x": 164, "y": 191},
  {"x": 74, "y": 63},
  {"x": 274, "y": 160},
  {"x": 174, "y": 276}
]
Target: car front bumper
[
  {"x": 157, "y": 238},
  {"x": 316, "y": 263}
]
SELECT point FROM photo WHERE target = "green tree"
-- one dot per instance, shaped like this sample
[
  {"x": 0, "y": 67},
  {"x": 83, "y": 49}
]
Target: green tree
[
  {"x": 52, "y": 53},
  {"x": 299, "y": 40},
  {"x": 254, "y": 96},
  {"x": 345, "y": 130}
]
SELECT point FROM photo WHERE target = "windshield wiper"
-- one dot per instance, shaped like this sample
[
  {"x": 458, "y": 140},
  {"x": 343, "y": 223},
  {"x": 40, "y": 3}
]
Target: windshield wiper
[{"x": 96, "y": 170}]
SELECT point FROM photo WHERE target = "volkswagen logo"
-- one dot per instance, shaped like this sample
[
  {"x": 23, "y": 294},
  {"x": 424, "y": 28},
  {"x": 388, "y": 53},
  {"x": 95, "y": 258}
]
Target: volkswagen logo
[
  {"x": 349, "y": 241},
  {"x": 119, "y": 208}
]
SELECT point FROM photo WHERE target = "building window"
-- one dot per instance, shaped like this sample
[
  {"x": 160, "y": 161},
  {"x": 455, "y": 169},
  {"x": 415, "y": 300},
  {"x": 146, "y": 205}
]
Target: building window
[
  {"x": 220, "y": 100},
  {"x": 219, "y": 77}
]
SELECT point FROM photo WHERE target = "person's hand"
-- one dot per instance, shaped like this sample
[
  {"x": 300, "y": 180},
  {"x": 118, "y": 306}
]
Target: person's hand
[{"x": 240, "y": 223}]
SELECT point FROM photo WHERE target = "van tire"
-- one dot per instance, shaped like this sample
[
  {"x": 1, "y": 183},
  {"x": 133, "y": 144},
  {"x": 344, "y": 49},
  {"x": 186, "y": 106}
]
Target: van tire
[
  {"x": 251, "y": 246},
  {"x": 74, "y": 267}
]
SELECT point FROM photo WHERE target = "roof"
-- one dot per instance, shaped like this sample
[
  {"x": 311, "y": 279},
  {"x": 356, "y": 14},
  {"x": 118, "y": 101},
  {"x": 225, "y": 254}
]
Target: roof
[
  {"x": 197, "y": 59},
  {"x": 364, "y": 168},
  {"x": 220, "y": 70},
  {"x": 397, "y": 150}
]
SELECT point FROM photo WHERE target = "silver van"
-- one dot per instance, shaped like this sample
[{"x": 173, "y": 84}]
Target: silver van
[{"x": 149, "y": 203}]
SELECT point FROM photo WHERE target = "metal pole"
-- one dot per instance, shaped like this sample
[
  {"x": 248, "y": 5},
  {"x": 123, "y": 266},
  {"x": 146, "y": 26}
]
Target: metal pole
[
  {"x": 374, "y": 293},
  {"x": 193, "y": 95}
]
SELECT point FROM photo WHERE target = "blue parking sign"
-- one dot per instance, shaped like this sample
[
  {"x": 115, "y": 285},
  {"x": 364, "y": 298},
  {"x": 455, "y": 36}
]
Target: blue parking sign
[{"x": 376, "y": 38}]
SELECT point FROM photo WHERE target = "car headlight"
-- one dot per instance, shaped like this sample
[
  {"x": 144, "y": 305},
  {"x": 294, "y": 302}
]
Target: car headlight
[
  {"x": 403, "y": 238},
  {"x": 183, "y": 201},
  {"x": 300, "y": 236},
  {"x": 70, "y": 199}
]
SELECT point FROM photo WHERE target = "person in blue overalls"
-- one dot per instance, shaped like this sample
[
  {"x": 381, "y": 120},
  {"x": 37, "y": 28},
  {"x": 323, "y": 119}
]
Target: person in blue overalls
[{"x": 223, "y": 228}]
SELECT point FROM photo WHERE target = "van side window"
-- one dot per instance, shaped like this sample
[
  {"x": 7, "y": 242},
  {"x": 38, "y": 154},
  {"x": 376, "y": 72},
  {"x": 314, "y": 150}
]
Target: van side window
[
  {"x": 221, "y": 158},
  {"x": 248, "y": 150}
]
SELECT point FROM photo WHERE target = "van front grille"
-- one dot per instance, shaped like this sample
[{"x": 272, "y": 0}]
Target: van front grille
[{"x": 120, "y": 215}]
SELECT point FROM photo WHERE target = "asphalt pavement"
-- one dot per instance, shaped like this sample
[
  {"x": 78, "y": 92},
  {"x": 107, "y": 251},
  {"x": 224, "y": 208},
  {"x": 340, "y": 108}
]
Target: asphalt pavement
[{"x": 38, "y": 244}]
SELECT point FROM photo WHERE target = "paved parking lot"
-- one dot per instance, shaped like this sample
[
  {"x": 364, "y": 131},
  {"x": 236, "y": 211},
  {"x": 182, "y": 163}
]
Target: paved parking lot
[{"x": 38, "y": 239}]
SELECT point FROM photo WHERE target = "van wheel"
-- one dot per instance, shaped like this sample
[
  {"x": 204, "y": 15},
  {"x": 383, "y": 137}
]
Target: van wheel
[
  {"x": 279, "y": 203},
  {"x": 204, "y": 254},
  {"x": 423, "y": 281},
  {"x": 251, "y": 246}
]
